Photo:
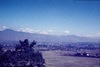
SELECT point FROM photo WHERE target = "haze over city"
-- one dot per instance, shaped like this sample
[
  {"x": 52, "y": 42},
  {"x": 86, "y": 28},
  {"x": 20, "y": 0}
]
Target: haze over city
[{"x": 54, "y": 17}]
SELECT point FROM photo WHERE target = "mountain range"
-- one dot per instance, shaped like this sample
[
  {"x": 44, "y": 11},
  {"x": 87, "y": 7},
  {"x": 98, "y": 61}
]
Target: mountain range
[{"x": 12, "y": 35}]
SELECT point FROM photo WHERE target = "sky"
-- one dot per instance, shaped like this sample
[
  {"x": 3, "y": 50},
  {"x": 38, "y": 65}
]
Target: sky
[{"x": 78, "y": 17}]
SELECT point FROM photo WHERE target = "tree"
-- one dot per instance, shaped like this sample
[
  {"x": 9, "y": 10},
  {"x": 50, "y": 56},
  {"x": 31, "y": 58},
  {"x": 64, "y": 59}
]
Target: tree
[{"x": 32, "y": 44}]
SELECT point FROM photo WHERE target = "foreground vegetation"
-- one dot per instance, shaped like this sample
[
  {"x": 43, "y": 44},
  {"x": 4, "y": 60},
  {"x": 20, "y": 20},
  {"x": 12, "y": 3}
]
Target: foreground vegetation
[{"x": 22, "y": 56}]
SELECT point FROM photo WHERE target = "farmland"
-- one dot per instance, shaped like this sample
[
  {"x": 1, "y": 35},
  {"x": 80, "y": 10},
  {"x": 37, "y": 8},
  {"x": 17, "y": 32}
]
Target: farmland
[{"x": 53, "y": 59}]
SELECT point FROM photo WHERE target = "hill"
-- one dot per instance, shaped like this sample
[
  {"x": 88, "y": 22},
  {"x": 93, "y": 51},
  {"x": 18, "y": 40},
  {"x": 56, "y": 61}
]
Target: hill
[{"x": 11, "y": 35}]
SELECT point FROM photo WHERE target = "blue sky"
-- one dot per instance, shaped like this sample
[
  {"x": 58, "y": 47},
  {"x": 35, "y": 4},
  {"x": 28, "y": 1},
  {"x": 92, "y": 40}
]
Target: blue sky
[{"x": 51, "y": 16}]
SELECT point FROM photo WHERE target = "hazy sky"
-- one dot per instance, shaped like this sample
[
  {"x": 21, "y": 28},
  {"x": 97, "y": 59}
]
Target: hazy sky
[{"x": 51, "y": 16}]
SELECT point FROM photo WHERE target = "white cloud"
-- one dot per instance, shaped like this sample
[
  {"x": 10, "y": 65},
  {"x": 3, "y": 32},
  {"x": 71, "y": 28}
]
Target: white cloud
[
  {"x": 26, "y": 30},
  {"x": 66, "y": 32},
  {"x": 49, "y": 32},
  {"x": 43, "y": 32},
  {"x": 3, "y": 28},
  {"x": 98, "y": 33},
  {"x": 92, "y": 35},
  {"x": 29, "y": 30}
]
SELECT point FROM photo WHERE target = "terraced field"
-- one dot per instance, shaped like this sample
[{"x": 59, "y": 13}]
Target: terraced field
[{"x": 54, "y": 60}]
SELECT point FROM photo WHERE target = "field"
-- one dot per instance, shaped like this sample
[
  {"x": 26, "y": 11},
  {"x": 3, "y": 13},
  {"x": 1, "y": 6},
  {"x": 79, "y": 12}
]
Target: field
[{"x": 54, "y": 60}]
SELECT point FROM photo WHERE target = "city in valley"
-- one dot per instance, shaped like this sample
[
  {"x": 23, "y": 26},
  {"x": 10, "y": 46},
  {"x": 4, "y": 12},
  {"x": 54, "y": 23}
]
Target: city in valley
[{"x": 61, "y": 54}]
